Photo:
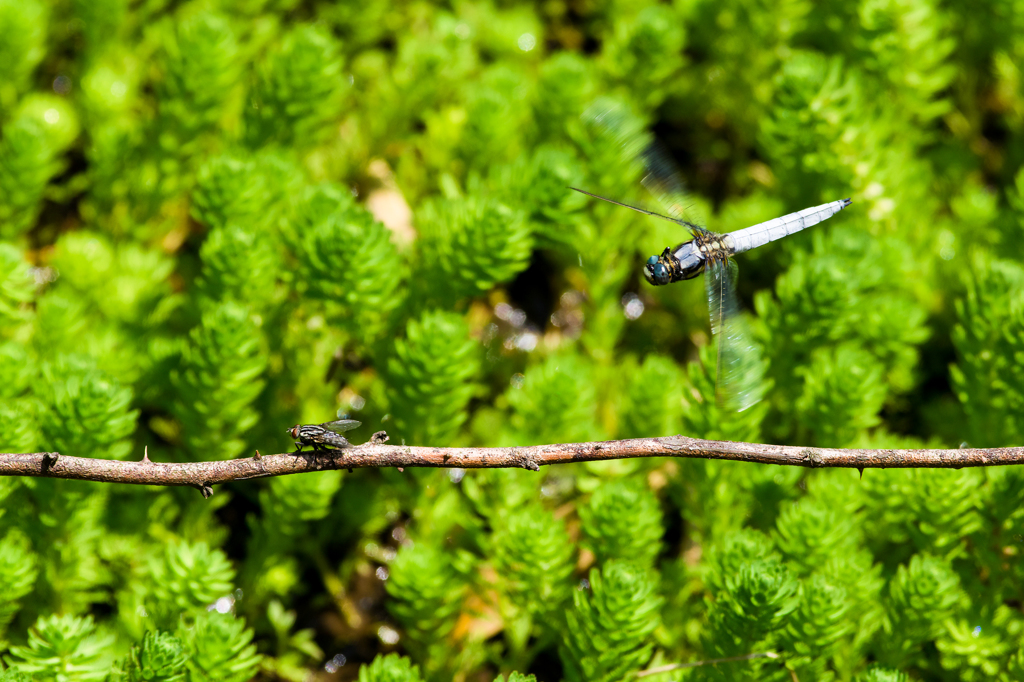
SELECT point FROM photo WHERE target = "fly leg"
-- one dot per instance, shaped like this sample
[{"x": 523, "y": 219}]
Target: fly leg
[{"x": 317, "y": 447}]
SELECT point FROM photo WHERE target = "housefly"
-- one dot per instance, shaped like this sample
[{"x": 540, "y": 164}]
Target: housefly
[{"x": 326, "y": 436}]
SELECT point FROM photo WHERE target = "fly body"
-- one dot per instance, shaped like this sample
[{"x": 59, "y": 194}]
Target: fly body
[{"x": 326, "y": 436}]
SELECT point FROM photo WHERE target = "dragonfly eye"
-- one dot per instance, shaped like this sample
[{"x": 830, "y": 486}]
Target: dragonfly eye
[
  {"x": 660, "y": 273},
  {"x": 652, "y": 261}
]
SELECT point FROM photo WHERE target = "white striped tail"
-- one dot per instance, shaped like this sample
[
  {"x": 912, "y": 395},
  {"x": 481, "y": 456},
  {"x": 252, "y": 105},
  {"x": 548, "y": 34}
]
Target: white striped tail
[{"x": 758, "y": 235}]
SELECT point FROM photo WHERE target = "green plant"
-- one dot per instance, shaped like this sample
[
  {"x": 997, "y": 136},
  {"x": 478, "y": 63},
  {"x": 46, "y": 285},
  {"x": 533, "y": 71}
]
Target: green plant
[
  {"x": 390, "y": 668},
  {"x": 426, "y": 595},
  {"x": 623, "y": 521},
  {"x": 430, "y": 371},
  {"x": 610, "y": 627},
  {"x": 161, "y": 658},
  {"x": 533, "y": 556},
  {"x": 64, "y": 646},
  {"x": 218, "y": 380},
  {"x": 219, "y": 648},
  {"x": 218, "y": 220},
  {"x": 187, "y": 579}
]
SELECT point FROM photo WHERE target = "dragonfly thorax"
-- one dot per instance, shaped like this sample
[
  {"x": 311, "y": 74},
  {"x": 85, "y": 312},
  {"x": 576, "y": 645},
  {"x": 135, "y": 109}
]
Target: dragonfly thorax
[{"x": 673, "y": 265}]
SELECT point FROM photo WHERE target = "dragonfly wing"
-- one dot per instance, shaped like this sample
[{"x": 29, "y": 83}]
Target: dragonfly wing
[
  {"x": 740, "y": 371},
  {"x": 619, "y": 203},
  {"x": 662, "y": 179},
  {"x": 341, "y": 425},
  {"x": 613, "y": 122}
]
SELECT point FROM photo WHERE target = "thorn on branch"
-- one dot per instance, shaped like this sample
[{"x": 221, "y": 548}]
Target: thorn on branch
[
  {"x": 145, "y": 455},
  {"x": 257, "y": 456}
]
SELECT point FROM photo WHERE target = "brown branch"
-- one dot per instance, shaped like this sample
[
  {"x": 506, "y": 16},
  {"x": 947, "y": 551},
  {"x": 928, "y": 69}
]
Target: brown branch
[{"x": 202, "y": 475}]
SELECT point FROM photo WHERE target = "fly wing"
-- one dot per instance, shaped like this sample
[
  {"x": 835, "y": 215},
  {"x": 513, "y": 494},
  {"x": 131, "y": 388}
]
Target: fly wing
[
  {"x": 341, "y": 425},
  {"x": 740, "y": 371}
]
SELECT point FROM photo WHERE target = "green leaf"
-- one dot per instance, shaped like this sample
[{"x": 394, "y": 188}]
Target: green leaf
[
  {"x": 922, "y": 595},
  {"x": 65, "y": 647},
  {"x": 623, "y": 521},
  {"x": 347, "y": 258},
  {"x": 425, "y": 600},
  {"x": 556, "y": 402},
  {"x": 390, "y": 668},
  {"x": 201, "y": 70},
  {"x": 753, "y": 602},
  {"x": 23, "y": 33},
  {"x": 609, "y": 630},
  {"x": 811, "y": 531},
  {"x": 230, "y": 189},
  {"x": 469, "y": 245},
  {"x": 533, "y": 558},
  {"x": 975, "y": 652},
  {"x": 816, "y": 628},
  {"x": 19, "y": 568},
  {"x": 17, "y": 286},
  {"x": 85, "y": 412},
  {"x": 28, "y": 161},
  {"x": 516, "y": 677},
  {"x": 842, "y": 395},
  {"x": 429, "y": 378},
  {"x": 653, "y": 404},
  {"x": 705, "y": 415},
  {"x": 988, "y": 337},
  {"x": 240, "y": 265},
  {"x": 187, "y": 579},
  {"x": 161, "y": 658},
  {"x": 876, "y": 674},
  {"x": 646, "y": 53},
  {"x": 300, "y": 89},
  {"x": 220, "y": 648},
  {"x": 219, "y": 379}
]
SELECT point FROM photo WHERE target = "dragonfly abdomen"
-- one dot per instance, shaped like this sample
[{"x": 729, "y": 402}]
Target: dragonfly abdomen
[{"x": 758, "y": 235}]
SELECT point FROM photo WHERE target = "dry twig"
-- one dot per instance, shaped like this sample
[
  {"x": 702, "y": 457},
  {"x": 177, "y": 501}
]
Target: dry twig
[{"x": 202, "y": 475}]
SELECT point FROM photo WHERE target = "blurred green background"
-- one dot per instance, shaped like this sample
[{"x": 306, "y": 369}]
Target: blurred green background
[{"x": 218, "y": 219}]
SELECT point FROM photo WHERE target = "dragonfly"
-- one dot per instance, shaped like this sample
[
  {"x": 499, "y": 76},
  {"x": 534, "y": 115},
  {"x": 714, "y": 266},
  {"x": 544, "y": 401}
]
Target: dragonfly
[
  {"x": 712, "y": 254},
  {"x": 326, "y": 436}
]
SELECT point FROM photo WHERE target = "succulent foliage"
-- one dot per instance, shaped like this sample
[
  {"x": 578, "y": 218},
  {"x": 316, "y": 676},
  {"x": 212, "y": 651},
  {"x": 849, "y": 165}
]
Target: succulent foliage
[{"x": 221, "y": 219}]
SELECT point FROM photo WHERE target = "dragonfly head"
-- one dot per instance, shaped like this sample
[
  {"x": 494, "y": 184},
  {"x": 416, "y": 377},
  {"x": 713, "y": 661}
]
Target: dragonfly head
[
  {"x": 657, "y": 271},
  {"x": 684, "y": 262}
]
